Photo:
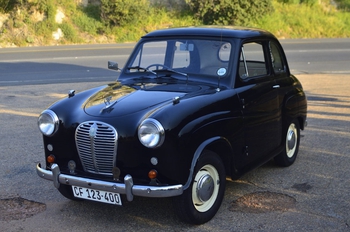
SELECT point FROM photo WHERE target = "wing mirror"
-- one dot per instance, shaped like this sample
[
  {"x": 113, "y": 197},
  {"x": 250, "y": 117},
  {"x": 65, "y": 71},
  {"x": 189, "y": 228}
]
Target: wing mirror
[{"x": 113, "y": 66}]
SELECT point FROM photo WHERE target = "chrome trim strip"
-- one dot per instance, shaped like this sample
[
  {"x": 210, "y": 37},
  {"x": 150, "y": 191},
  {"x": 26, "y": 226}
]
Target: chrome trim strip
[{"x": 128, "y": 188}]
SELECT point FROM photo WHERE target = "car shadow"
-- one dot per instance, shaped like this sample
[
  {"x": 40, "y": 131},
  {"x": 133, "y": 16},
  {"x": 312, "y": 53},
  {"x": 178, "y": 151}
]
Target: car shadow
[{"x": 33, "y": 73}]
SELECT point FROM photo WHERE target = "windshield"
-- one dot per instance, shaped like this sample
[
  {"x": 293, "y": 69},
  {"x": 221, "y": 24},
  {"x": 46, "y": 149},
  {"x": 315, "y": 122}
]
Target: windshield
[{"x": 181, "y": 57}]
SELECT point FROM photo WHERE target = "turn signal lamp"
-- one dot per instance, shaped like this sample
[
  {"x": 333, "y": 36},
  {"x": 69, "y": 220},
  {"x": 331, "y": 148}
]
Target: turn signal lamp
[
  {"x": 152, "y": 174},
  {"x": 50, "y": 159}
]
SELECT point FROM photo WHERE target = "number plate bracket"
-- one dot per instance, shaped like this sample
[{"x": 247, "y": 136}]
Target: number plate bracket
[{"x": 97, "y": 195}]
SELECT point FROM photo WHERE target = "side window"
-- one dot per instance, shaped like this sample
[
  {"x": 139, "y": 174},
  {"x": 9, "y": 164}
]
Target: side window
[
  {"x": 252, "y": 62},
  {"x": 182, "y": 55},
  {"x": 276, "y": 58}
]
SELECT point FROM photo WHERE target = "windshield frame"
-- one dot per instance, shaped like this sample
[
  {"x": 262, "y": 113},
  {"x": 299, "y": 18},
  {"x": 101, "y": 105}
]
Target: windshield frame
[{"x": 221, "y": 72}]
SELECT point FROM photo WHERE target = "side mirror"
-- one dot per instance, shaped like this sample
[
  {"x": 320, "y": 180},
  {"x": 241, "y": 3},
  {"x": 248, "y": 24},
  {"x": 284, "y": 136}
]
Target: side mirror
[{"x": 113, "y": 66}]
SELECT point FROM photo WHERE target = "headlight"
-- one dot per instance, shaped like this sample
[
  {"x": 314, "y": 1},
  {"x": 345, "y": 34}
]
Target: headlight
[
  {"x": 151, "y": 133},
  {"x": 48, "y": 122}
]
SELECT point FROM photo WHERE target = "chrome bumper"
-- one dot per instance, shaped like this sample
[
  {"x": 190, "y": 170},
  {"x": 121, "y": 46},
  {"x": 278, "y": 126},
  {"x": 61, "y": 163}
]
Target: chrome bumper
[{"x": 128, "y": 188}]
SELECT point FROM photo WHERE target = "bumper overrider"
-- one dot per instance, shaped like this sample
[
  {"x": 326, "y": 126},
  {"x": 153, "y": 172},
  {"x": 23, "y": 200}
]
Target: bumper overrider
[{"x": 128, "y": 188}]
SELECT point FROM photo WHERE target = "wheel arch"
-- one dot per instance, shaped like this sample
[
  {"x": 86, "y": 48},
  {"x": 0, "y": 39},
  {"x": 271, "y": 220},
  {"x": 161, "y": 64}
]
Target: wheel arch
[
  {"x": 221, "y": 147},
  {"x": 295, "y": 107}
]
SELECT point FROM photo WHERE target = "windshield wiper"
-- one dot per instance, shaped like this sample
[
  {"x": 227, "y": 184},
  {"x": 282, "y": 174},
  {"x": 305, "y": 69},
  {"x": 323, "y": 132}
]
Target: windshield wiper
[
  {"x": 139, "y": 68},
  {"x": 171, "y": 71},
  {"x": 158, "y": 71}
]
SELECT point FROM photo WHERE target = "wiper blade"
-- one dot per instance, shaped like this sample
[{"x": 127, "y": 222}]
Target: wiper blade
[
  {"x": 170, "y": 70},
  {"x": 157, "y": 71},
  {"x": 139, "y": 68}
]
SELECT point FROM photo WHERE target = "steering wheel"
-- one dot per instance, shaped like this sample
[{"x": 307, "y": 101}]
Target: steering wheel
[{"x": 157, "y": 66}]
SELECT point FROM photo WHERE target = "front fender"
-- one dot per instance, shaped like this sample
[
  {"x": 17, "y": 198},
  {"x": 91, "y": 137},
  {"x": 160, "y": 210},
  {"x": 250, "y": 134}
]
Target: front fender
[{"x": 195, "y": 158}]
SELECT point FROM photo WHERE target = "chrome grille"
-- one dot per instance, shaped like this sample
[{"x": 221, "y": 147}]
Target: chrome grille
[{"x": 97, "y": 146}]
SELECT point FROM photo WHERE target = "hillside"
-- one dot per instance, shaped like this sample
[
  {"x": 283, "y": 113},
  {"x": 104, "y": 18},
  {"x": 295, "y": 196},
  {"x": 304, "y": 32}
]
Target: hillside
[{"x": 52, "y": 22}]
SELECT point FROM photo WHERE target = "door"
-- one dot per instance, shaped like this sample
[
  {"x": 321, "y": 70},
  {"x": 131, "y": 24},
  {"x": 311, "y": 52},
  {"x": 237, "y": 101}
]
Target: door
[{"x": 260, "y": 104}]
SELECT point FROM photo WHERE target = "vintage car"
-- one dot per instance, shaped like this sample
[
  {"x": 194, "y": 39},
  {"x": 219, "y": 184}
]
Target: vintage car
[{"x": 191, "y": 107}]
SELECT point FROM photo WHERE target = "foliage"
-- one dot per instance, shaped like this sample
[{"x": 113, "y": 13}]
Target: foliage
[
  {"x": 157, "y": 18},
  {"x": 128, "y": 20},
  {"x": 307, "y": 2},
  {"x": 315, "y": 21},
  {"x": 344, "y": 4},
  {"x": 7, "y": 5},
  {"x": 229, "y": 12},
  {"x": 123, "y": 12},
  {"x": 69, "y": 32},
  {"x": 87, "y": 19},
  {"x": 48, "y": 25}
]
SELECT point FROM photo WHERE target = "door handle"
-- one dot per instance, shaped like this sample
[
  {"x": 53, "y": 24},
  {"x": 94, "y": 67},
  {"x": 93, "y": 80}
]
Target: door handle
[
  {"x": 243, "y": 103},
  {"x": 276, "y": 86}
]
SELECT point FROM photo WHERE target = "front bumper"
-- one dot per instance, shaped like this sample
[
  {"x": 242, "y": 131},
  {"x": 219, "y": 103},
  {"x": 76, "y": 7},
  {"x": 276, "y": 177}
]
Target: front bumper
[{"x": 128, "y": 188}]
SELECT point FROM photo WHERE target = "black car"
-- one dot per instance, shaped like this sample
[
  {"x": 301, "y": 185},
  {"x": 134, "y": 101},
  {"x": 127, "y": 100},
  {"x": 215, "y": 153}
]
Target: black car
[{"x": 191, "y": 107}]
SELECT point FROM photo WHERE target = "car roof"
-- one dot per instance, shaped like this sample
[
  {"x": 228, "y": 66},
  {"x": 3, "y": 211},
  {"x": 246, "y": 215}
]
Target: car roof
[{"x": 217, "y": 31}]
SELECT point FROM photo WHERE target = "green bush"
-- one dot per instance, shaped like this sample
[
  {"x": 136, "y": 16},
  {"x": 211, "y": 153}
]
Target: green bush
[
  {"x": 123, "y": 12},
  {"x": 290, "y": 1},
  {"x": 69, "y": 33},
  {"x": 7, "y": 5},
  {"x": 229, "y": 12},
  {"x": 44, "y": 28},
  {"x": 307, "y": 2},
  {"x": 88, "y": 20},
  {"x": 344, "y": 4},
  {"x": 48, "y": 7}
]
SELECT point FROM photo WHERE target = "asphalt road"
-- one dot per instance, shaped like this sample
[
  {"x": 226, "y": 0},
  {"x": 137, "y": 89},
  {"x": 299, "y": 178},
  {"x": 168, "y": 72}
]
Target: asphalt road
[
  {"x": 311, "y": 195},
  {"x": 86, "y": 63}
]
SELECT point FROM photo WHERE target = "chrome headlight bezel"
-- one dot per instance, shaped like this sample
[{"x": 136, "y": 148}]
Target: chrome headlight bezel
[
  {"x": 151, "y": 133},
  {"x": 48, "y": 123}
]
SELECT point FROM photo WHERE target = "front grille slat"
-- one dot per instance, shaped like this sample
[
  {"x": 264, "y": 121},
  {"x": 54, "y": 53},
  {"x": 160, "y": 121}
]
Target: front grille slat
[{"x": 97, "y": 146}]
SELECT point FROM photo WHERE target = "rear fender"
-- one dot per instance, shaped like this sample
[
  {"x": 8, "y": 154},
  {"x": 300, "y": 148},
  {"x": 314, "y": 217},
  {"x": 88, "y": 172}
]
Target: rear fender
[{"x": 296, "y": 107}]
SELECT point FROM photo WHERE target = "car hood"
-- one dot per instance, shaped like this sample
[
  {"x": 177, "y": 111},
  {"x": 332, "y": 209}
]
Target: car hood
[{"x": 119, "y": 100}]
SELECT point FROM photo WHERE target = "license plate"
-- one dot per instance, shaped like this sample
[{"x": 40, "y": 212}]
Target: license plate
[{"x": 97, "y": 195}]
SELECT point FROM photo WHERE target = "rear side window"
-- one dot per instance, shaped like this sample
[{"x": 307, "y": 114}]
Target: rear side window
[
  {"x": 252, "y": 61},
  {"x": 276, "y": 58}
]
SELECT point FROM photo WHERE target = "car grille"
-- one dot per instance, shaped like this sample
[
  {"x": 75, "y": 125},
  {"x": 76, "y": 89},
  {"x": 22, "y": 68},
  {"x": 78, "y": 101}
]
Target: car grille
[{"x": 97, "y": 146}]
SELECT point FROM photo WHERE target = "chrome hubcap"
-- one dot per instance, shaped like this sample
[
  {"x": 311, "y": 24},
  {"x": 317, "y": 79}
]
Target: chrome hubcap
[
  {"x": 205, "y": 188},
  {"x": 291, "y": 140}
]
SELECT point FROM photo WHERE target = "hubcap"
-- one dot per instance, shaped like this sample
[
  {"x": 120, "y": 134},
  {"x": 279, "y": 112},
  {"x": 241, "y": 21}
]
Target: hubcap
[
  {"x": 205, "y": 188},
  {"x": 291, "y": 140}
]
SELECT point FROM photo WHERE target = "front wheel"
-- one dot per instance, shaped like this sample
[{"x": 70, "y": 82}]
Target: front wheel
[
  {"x": 291, "y": 145},
  {"x": 200, "y": 202}
]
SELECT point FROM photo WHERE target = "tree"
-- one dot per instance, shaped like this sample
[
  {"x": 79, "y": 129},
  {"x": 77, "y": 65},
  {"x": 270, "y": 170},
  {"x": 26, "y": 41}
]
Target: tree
[
  {"x": 7, "y": 5},
  {"x": 122, "y": 12},
  {"x": 229, "y": 12}
]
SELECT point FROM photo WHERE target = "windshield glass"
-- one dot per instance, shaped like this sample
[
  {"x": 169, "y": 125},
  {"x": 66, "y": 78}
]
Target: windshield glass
[{"x": 182, "y": 57}]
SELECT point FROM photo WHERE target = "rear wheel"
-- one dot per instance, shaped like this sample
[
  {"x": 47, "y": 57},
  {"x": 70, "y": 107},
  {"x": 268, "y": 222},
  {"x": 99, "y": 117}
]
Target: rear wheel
[
  {"x": 291, "y": 145},
  {"x": 200, "y": 202}
]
